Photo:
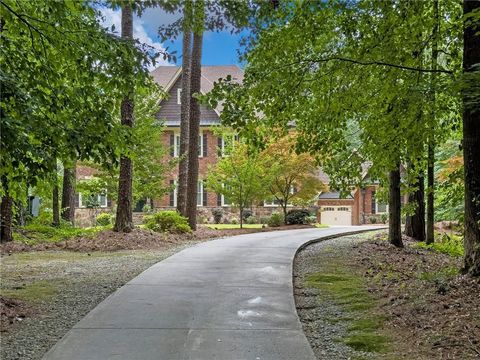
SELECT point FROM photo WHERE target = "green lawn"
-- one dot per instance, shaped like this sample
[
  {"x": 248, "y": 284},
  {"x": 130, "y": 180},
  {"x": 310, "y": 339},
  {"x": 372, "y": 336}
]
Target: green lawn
[{"x": 233, "y": 226}]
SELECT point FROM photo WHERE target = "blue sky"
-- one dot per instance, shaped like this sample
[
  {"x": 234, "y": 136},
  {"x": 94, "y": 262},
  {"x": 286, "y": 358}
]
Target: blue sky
[{"x": 218, "y": 48}]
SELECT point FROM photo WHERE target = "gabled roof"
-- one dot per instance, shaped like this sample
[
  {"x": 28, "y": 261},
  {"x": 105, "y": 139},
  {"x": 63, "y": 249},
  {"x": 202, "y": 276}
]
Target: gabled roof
[
  {"x": 334, "y": 195},
  {"x": 165, "y": 76}
]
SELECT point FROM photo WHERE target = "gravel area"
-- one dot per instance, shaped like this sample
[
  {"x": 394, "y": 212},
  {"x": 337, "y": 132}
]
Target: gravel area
[
  {"x": 60, "y": 288},
  {"x": 318, "y": 315}
]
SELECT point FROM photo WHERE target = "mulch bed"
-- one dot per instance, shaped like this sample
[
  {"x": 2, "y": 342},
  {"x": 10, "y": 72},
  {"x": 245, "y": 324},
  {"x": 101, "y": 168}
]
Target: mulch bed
[
  {"x": 433, "y": 310},
  {"x": 138, "y": 239}
]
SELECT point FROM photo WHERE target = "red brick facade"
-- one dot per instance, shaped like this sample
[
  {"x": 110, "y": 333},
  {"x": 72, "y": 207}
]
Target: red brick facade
[{"x": 210, "y": 159}]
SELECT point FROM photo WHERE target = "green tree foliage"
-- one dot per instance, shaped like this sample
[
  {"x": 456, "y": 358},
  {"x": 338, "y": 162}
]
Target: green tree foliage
[
  {"x": 329, "y": 68},
  {"x": 146, "y": 151},
  {"x": 238, "y": 177},
  {"x": 291, "y": 177},
  {"x": 62, "y": 78}
]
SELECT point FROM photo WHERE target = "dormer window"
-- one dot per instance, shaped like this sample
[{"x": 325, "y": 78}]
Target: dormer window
[{"x": 179, "y": 96}]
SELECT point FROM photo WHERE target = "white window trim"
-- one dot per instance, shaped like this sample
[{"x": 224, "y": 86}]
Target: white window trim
[
  {"x": 380, "y": 212},
  {"x": 175, "y": 193},
  {"x": 202, "y": 187},
  {"x": 270, "y": 203},
  {"x": 200, "y": 144},
  {"x": 179, "y": 96},
  {"x": 223, "y": 201},
  {"x": 233, "y": 137},
  {"x": 176, "y": 144},
  {"x": 81, "y": 205}
]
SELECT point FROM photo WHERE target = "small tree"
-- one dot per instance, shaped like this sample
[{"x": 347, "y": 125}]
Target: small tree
[
  {"x": 292, "y": 178},
  {"x": 239, "y": 178}
]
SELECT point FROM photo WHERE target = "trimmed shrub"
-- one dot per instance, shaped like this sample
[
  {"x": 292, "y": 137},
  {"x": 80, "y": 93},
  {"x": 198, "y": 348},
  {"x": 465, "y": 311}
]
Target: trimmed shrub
[
  {"x": 311, "y": 219},
  {"x": 275, "y": 220},
  {"x": 373, "y": 220},
  {"x": 234, "y": 221},
  {"x": 167, "y": 221},
  {"x": 146, "y": 208},
  {"x": 104, "y": 219},
  {"x": 263, "y": 219},
  {"x": 251, "y": 220},
  {"x": 217, "y": 215},
  {"x": 297, "y": 217},
  {"x": 384, "y": 218}
]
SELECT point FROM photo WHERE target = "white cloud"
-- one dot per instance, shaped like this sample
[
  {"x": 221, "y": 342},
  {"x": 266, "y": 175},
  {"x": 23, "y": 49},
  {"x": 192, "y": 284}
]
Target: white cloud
[{"x": 114, "y": 17}]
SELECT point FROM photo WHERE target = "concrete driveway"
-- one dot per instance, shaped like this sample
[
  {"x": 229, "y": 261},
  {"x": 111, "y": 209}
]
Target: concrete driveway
[{"x": 227, "y": 299}]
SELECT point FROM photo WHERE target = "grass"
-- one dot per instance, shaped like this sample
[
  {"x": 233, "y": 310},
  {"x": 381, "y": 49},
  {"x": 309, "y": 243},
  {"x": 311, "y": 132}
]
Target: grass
[
  {"x": 38, "y": 233},
  {"x": 321, "y": 226},
  {"x": 36, "y": 291},
  {"x": 233, "y": 226},
  {"x": 447, "y": 244},
  {"x": 348, "y": 290}
]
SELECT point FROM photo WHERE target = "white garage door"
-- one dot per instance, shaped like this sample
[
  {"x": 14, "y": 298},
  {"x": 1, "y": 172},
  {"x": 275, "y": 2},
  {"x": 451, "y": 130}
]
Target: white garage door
[{"x": 336, "y": 215}]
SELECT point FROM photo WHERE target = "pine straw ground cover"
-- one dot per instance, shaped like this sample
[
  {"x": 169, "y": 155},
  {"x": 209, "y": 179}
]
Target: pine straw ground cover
[
  {"x": 387, "y": 303},
  {"x": 139, "y": 238}
]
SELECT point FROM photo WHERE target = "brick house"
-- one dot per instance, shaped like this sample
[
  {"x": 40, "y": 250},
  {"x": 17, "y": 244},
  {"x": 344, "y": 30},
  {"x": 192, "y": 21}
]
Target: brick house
[
  {"x": 359, "y": 207},
  {"x": 210, "y": 145}
]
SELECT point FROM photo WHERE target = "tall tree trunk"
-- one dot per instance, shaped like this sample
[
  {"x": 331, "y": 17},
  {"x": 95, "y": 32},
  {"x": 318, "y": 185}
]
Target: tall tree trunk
[
  {"x": 6, "y": 216},
  {"x": 241, "y": 217},
  {"x": 124, "y": 216},
  {"x": 431, "y": 139},
  {"x": 415, "y": 224},
  {"x": 194, "y": 130},
  {"x": 68, "y": 194},
  {"x": 185, "y": 110},
  {"x": 430, "y": 193},
  {"x": 471, "y": 146},
  {"x": 55, "y": 208},
  {"x": 284, "y": 209},
  {"x": 394, "y": 208}
]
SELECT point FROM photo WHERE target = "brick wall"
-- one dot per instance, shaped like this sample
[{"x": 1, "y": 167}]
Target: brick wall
[{"x": 203, "y": 163}]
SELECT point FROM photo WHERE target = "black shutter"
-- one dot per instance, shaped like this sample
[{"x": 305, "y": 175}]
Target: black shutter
[
  {"x": 172, "y": 193},
  {"x": 204, "y": 202},
  {"x": 172, "y": 144},
  {"x": 219, "y": 199},
  {"x": 109, "y": 201},
  {"x": 205, "y": 144},
  {"x": 219, "y": 145},
  {"x": 77, "y": 200},
  {"x": 373, "y": 202}
]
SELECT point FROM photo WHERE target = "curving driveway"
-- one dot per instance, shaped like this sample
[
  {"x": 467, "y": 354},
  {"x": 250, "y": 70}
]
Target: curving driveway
[{"x": 226, "y": 299}]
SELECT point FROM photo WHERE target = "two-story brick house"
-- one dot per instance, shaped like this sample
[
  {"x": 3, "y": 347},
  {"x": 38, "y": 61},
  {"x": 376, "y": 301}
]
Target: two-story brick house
[
  {"x": 211, "y": 146},
  {"x": 333, "y": 209}
]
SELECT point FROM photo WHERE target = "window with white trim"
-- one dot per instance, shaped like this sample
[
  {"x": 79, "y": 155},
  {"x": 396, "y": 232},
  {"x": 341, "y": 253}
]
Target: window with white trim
[
  {"x": 175, "y": 192},
  {"x": 176, "y": 145},
  {"x": 92, "y": 201},
  {"x": 200, "y": 193},
  {"x": 271, "y": 202},
  {"x": 380, "y": 207},
  {"x": 227, "y": 142},
  {"x": 225, "y": 201},
  {"x": 179, "y": 96},
  {"x": 200, "y": 144}
]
